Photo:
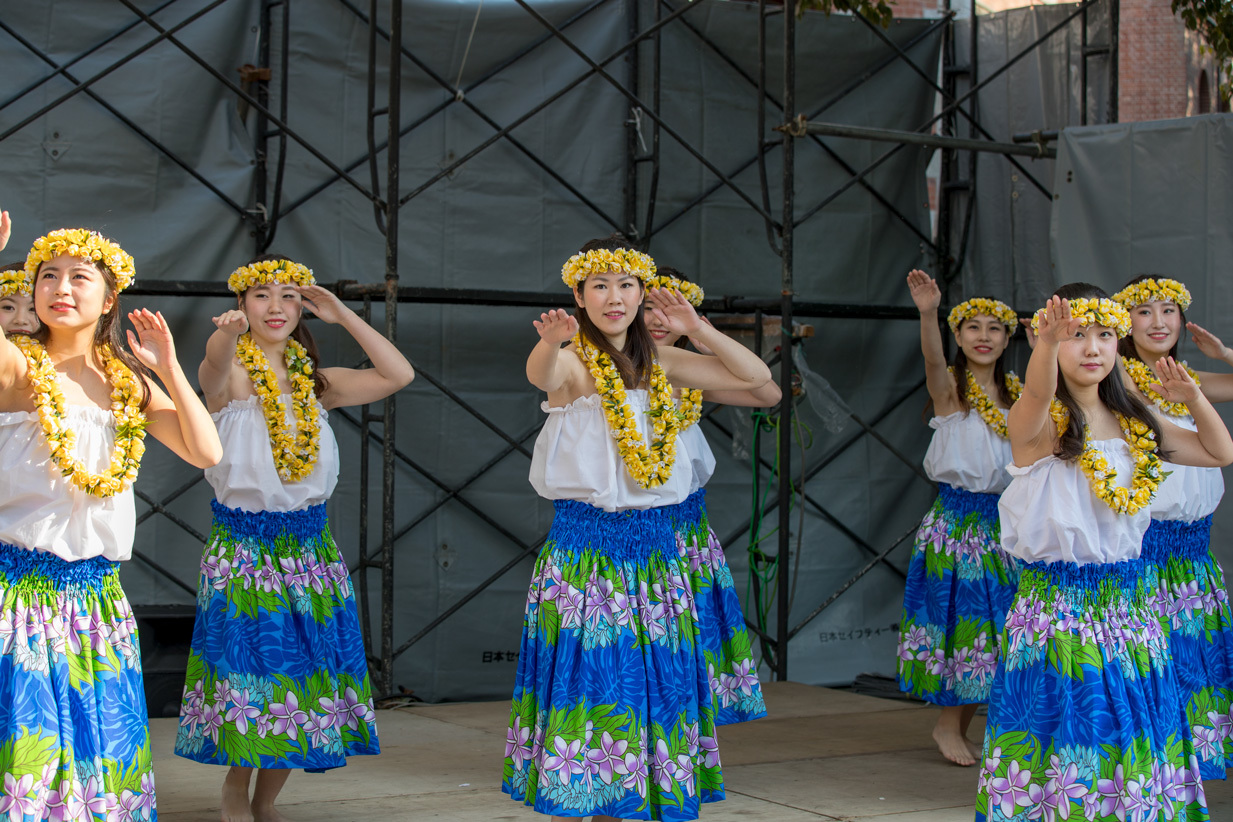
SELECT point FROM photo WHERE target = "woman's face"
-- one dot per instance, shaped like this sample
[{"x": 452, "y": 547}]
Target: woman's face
[
  {"x": 662, "y": 336},
  {"x": 611, "y": 300},
  {"x": 983, "y": 339},
  {"x": 71, "y": 293},
  {"x": 273, "y": 311},
  {"x": 1155, "y": 328},
  {"x": 17, "y": 314},
  {"x": 1089, "y": 356}
]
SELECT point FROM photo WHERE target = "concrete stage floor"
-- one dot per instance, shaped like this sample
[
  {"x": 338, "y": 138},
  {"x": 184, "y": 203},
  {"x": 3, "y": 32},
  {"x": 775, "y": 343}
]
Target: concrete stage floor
[{"x": 822, "y": 755}]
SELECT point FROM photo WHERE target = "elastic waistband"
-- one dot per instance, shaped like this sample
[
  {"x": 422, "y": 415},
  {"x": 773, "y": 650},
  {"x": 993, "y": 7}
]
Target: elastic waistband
[
  {"x": 961, "y": 503},
  {"x": 1127, "y": 574},
  {"x": 632, "y": 534},
  {"x": 269, "y": 526},
  {"x": 1167, "y": 538},
  {"x": 17, "y": 564}
]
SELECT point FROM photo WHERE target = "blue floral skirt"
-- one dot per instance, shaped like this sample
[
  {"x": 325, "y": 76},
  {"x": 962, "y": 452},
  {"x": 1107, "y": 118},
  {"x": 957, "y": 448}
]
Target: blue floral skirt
[
  {"x": 277, "y": 676},
  {"x": 1085, "y": 718},
  {"x": 960, "y": 584},
  {"x": 1192, "y": 603},
  {"x": 730, "y": 664},
  {"x": 74, "y": 735},
  {"x": 612, "y": 710}
]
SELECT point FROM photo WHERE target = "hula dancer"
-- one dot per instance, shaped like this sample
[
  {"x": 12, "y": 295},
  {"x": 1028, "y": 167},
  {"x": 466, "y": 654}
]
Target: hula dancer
[
  {"x": 277, "y": 678},
  {"x": 612, "y": 714},
  {"x": 959, "y": 582},
  {"x": 75, "y": 407},
  {"x": 1192, "y": 600},
  {"x": 16, "y": 304},
  {"x": 730, "y": 665},
  {"x": 1085, "y": 719}
]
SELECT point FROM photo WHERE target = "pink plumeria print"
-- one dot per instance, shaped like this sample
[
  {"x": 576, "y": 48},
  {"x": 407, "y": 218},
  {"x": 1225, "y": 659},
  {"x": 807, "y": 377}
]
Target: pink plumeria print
[
  {"x": 564, "y": 761},
  {"x": 242, "y": 711},
  {"x": 663, "y": 768},
  {"x": 288, "y": 718},
  {"x": 608, "y": 760},
  {"x": 518, "y": 743},
  {"x": 1010, "y": 791},
  {"x": 16, "y": 801}
]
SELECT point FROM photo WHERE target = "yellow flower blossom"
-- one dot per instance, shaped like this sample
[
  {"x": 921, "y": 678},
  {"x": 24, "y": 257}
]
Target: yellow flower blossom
[
  {"x": 1143, "y": 378},
  {"x": 49, "y": 402},
  {"x": 294, "y": 457},
  {"x": 993, "y": 416},
  {"x": 283, "y": 272},
  {"x": 81, "y": 242},
  {"x": 1152, "y": 289},
  {"x": 983, "y": 305},
  {"x": 1147, "y": 475}
]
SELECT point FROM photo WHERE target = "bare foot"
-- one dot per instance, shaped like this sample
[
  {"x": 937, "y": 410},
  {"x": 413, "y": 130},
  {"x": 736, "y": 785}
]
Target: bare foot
[
  {"x": 235, "y": 799},
  {"x": 953, "y": 746},
  {"x": 270, "y": 814}
]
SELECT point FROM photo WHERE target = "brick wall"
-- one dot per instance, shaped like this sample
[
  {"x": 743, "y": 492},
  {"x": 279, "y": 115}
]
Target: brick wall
[{"x": 1153, "y": 63}]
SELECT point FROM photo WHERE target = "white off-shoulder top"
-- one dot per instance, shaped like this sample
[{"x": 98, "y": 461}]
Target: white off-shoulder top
[
  {"x": 576, "y": 458},
  {"x": 1189, "y": 493},
  {"x": 1049, "y": 513},
  {"x": 40, "y": 509},
  {"x": 246, "y": 477},
  {"x": 701, "y": 458},
  {"x": 967, "y": 453}
]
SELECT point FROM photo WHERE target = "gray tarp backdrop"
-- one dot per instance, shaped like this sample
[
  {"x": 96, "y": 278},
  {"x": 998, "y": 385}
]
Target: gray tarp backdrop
[{"x": 499, "y": 221}]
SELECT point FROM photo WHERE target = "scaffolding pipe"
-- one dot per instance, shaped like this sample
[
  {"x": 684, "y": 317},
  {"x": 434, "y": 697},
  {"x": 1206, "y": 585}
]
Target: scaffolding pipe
[{"x": 800, "y": 126}]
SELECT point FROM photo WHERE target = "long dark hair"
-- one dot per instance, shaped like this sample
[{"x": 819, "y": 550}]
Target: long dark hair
[
  {"x": 107, "y": 332},
  {"x": 668, "y": 271},
  {"x": 636, "y": 359},
  {"x": 1112, "y": 391},
  {"x": 300, "y": 333},
  {"x": 1126, "y": 345}
]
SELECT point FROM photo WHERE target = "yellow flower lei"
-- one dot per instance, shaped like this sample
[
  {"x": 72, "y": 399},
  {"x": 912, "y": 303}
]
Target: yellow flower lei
[
  {"x": 580, "y": 266},
  {"x": 270, "y": 271},
  {"x": 81, "y": 242},
  {"x": 1152, "y": 289},
  {"x": 648, "y": 466},
  {"x": 294, "y": 457},
  {"x": 692, "y": 292},
  {"x": 983, "y": 305},
  {"x": 993, "y": 416},
  {"x": 690, "y": 406},
  {"x": 14, "y": 281},
  {"x": 1143, "y": 378},
  {"x": 130, "y": 420},
  {"x": 1090, "y": 311},
  {"x": 1102, "y": 477}
]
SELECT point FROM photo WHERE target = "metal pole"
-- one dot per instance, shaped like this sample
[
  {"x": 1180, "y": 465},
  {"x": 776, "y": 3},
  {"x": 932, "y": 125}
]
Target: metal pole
[
  {"x": 887, "y": 135},
  {"x": 630, "y": 218},
  {"x": 262, "y": 149},
  {"x": 1083, "y": 69},
  {"x": 392, "y": 192},
  {"x": 785, "y": 345},
  {"x": 1115, "y": 14}
]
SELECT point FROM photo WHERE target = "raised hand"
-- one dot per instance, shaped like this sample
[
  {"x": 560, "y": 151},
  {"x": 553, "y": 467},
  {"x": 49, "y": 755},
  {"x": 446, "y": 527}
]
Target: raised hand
[
  {"x": 1176, "y": 384},
  {"x": 674, "y": 311},
  {"x": 1056, "y": 323},
  {"x": 6, "y": 228},
  {"x": 1207, "y": 342},
  {"x": 556, "y": 326},
  {"x": 323, "y": 303},
  {"x": 152, "y": 344},
  {"x": 925, "y": 291},
  {"x": 233, "y": 322}
]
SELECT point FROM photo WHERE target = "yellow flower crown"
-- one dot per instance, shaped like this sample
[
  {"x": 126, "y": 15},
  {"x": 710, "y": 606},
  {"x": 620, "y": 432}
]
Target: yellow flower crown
[
  {"x": 1091, "y": 311},
  {"x": 582, "y": 265},
  {"x": 84, "y": 243},
  {"x": 692, "y": 292},
  {"x": 14, "y": 281},
  {"x": 267, "y": 272},
  {"x": 1164, "y": 290},
  {"x": 983, "y": 305}
]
